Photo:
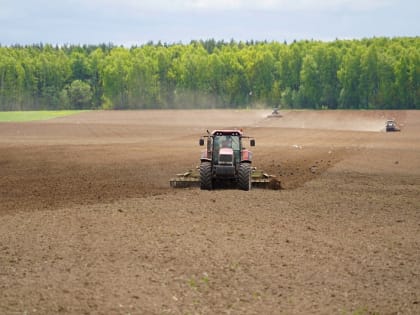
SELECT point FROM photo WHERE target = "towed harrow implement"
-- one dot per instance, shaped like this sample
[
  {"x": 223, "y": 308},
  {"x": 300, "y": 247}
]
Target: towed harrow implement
[{"x": 191, "y": 178}]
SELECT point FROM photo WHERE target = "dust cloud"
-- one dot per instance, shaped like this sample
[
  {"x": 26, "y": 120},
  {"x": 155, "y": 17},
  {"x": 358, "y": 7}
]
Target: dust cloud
[{"x": 329, "y": 120}]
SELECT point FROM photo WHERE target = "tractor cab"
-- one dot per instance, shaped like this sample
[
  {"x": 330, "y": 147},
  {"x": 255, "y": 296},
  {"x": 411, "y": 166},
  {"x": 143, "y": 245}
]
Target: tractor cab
[
  {"x": 220, "y": 140},
  {"x": 226, "y": 144}
]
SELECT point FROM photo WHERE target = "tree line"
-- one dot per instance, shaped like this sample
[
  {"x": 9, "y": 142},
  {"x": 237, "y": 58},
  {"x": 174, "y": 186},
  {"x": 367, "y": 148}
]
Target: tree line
[{"x": 374, "y": 73}]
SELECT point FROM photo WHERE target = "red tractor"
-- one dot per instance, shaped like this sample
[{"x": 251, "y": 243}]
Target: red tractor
[{"x": 226, "y": 159}]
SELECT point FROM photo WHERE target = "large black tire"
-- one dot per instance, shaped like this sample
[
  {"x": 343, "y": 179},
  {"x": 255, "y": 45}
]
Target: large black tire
[
  {"x": 244, "y": 176},
  {"x": 206, "y": 181}
]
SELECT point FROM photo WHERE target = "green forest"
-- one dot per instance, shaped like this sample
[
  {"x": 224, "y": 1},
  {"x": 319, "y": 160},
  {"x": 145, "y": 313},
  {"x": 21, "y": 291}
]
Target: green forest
[{"x": 374, "y": 73}]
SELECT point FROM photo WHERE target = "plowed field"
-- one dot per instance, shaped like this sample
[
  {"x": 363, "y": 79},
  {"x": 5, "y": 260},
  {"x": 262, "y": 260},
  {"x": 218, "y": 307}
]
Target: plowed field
[{"x": 89, "y": 224}]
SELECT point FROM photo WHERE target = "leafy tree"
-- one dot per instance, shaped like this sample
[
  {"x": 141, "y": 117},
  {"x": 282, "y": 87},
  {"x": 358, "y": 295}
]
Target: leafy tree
[
  {"x": 310, "y": 89},
  {"x": 11, "y": 80},
  {"x": 96, "y": 64},
  {"x": 349, "y": 77},
  {"x": 414, "y": 70},
  {"x": 115, "y": 74},
  {"x": 79, "y": 95},
  {"x": 143, "y": 81},
  {"x": 369, "y": 78},
  {"x": 328, "y": 61},
  {"x": 80, "y": 66}
]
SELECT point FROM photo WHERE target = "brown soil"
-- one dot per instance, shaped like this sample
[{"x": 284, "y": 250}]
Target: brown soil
[{"x": 89, "y": 224}]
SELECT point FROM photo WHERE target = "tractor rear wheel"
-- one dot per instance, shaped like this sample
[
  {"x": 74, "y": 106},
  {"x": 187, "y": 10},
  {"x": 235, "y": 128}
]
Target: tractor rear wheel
[
  {"x": 244, "y": 176},
  {"x": 206, "y": 181}
]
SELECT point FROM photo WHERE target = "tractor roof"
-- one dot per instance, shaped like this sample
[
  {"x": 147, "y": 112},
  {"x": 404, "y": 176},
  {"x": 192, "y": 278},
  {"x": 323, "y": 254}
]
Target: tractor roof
[{"x": 229, "y": 132}]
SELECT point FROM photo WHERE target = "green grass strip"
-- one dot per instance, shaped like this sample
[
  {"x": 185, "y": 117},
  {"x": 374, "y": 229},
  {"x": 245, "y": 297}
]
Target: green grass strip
[{"x": 20, "y": 116}]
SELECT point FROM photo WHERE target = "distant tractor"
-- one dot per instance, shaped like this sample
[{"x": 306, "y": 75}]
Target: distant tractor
[
  {"x": 275, "y": 113},
  {"x": 391, "y": 125}
]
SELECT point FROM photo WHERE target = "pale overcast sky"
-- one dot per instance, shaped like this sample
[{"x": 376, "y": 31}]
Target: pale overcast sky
[{"x": 131, "y": 22}]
